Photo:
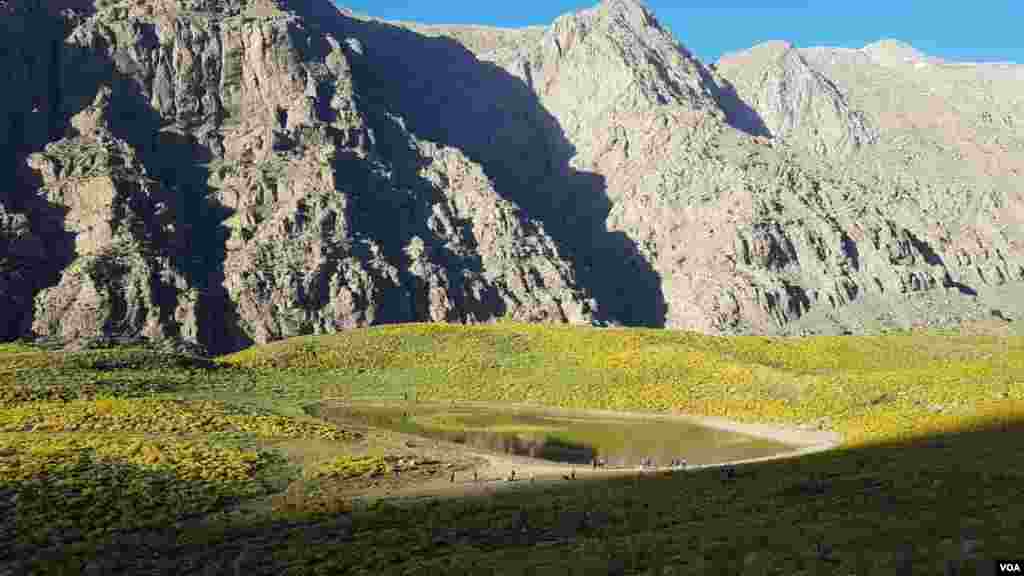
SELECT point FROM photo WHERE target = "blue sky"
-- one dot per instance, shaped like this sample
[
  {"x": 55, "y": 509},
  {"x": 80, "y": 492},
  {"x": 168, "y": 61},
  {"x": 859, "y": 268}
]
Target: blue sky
[{"x": 980, "y": 30}]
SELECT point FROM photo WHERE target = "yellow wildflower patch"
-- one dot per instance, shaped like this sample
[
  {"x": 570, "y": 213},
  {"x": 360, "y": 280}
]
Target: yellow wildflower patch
[
  {"x": 155, "y": 416},
  {"x": 929, "y": 422},
  {"x": 345, "y": 467},
  {"x": 72, "y": 487}
]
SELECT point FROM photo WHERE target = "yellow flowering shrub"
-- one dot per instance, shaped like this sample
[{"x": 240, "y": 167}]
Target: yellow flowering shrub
[
  {"x": 883, "y": 383},
  {"x": 930, "y": 423},
  {"x": 70, "y": 487},
  {"x": 347, "y": 467},
  {"x": 157, "y": 416}
]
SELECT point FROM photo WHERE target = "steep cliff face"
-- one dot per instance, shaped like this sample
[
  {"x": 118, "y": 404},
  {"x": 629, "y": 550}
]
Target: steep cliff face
[
  {"x": 797, "y": 103},
  {"x": 762, "y": 195},
  {"x": 942, "y": 165},
  {"x": 213, "y": 177},
  {"x": 121, "y": 278},
  {"x": 33, "y": 243},
  {"x": 223, "y": 172}
]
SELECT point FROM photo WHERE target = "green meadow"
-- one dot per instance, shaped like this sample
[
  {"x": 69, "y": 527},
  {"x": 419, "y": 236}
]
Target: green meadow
[{"x": 130, "y": 461}]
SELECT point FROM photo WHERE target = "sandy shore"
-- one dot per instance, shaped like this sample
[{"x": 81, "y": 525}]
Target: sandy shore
[{"x": 494, "y": 471}]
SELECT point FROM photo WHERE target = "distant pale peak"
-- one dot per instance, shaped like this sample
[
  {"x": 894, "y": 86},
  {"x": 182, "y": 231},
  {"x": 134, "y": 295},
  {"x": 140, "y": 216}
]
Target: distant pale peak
[
  {"x": 891, "y": 49},
  {"x": 770, "y": 50},
  {"x": 773, "y": 47}
]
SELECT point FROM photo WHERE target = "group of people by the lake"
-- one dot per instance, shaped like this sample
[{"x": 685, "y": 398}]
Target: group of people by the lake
[{"x": 645, "y": 463}]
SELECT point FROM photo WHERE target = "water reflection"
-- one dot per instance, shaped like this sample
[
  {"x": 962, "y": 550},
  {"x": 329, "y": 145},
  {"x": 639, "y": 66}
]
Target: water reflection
[
  {"x": 547, "y": 448},
  {"x": 572, "y": 439}
]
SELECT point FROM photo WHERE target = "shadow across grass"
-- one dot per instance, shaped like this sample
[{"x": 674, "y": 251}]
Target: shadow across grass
[
  {"x": 92, "y": 489},
  {"x": 38, "y": 376},
  {"x": 938, "y": 503}
]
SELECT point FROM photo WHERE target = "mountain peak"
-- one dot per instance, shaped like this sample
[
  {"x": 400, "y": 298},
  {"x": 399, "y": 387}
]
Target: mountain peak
[
  {"x": 771, "y": 49},
  {"x": 247, "y": 188},
  {"x": 633, "y": 13},
  {"x": 647, "y": 63},
  {"x": 634, "y": 10},
  {"x": 893, "y": 50},
  {"x": 793, "y": 100}
]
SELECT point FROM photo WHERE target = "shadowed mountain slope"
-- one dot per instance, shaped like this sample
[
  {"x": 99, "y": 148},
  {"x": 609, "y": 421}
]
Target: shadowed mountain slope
[{"x": 222, "y": 172}]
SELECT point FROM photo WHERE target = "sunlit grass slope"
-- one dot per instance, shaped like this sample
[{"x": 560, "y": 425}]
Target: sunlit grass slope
[
  {"x": 31, "y": 374},
  {"x": 109, "y": 459},
  {"x": 99, "y": 443},
  {"x": 868, "y": 388}
]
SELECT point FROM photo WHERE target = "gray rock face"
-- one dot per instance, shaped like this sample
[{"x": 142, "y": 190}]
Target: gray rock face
[
  {"x": 766, "y": 194},
  {"x": 216, "y": 179},
  {"x": 797, "y": 103},
  {"x": 223, "y": 172}
]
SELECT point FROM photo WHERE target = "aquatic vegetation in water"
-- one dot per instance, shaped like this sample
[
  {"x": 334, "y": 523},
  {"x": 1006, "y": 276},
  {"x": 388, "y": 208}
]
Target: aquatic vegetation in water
[{"x": 507, "y": 423}]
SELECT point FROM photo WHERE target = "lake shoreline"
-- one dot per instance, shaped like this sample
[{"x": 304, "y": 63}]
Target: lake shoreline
[
  {"x": 786, "y": 434},
  {"x": 496, "y": 471}
]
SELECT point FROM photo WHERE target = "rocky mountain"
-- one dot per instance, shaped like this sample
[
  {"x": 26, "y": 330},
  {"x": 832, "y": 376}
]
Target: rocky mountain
[{"x": 223, "y": 172}]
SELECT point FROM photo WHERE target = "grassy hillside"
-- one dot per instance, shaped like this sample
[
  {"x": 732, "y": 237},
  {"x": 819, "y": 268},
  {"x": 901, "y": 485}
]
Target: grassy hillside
[
  {"x": 125, "y": 461},
  {"x": 868, "y": 388}
]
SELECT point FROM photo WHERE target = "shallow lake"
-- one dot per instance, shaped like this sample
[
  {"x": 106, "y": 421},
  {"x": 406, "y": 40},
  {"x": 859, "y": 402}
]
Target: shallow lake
[{"x": 562, "y": 436}]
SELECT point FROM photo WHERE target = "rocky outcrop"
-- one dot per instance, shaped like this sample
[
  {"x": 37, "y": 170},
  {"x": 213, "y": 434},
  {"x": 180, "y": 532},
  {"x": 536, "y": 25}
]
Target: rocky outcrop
[
  {"x": 33, "y": 244},
  {"x": 795, "y": 102},
  {"x": 761, "y": 194},
  {"x": 121, "y": 280},
  {"x": 223, "y": 172},
  {"x": 219, "y": 181}
]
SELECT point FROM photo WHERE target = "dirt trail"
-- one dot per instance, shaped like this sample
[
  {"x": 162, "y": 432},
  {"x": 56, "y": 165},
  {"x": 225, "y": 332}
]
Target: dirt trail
[{"x": 494, "y": 471}]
